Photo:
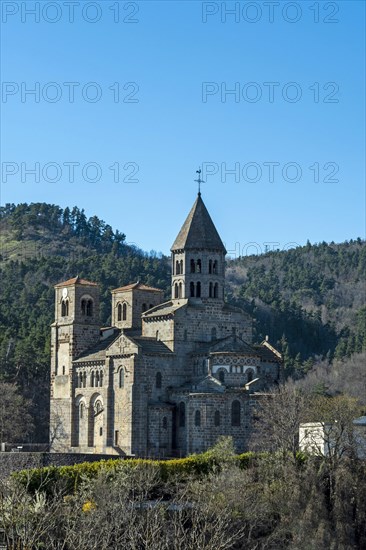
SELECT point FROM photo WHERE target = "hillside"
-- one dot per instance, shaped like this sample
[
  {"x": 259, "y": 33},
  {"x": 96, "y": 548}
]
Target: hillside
[{"x": 310, "y": 300}]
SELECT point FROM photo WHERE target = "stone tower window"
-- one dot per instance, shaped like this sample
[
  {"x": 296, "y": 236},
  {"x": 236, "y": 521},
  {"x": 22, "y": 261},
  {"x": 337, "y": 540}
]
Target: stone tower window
[
  {"x": 197, "y": 418},
  {"x": 100, "y": 379},
  {"x": 182, "y": 414},
  {"x": 198, "y": 290},
  {"x": 124, "y": 312},
  {"x": 92, "y": 379},
  {"x": 176, "y": 291},
  {"x": 235, "y": 413},
  {"x": 87, "y": 307},
  {"x": 198, "y": 266},
  {"x": 158, "y": 380},
  {"x": 210, "y": 290},
  {"x": 210, "y": 266},
  {"x": 216, "y": 290},
  {"x": 217, "y": 418},
  {"x": 177, "y": 267},
  {"x": 222, "y": 376},
  {"x": 97, "y": 379},
  {"x": 81, "y": 414},
  {"x": 65, "y": 308},
  {"x": 121, "y": 378},
  {"x": 144, "y": 307},
  {"x": 84, "y": 379},
  {"x": 63, "y": 369},
  {"x": 180, "y": 290},
  {"x": 119, "y": 312},
  {"x": 193, "y": 267},
  {"x": 181, "y": 266},
  {"x": 191, "y": 289},
  {"x": 214, "y": 267}
]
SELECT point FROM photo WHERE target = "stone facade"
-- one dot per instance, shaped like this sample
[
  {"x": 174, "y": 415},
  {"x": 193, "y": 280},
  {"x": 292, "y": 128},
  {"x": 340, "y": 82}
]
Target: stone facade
[{"x": 168, "y": 378}]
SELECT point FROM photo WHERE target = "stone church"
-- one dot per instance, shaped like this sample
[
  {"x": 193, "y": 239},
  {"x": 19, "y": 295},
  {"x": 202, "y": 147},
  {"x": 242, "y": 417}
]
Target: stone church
[{"x": 167, "y": 378}]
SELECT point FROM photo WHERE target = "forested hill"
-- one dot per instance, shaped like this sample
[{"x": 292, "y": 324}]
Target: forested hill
[{"x": 310, "y": 300}]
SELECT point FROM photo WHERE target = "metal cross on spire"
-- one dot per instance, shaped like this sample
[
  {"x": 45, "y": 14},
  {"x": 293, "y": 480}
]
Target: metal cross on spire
[{"x": 199, "y": 181}]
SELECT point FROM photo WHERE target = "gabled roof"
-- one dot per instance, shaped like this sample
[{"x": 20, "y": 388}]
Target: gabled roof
[
  {"x": 76, "y": 281},
  {"x": 150, "y": 345},
  {"x": 229, "y": 344},
  {"x": 98, "y": 352},
  {"x": 137, "y": 286},
  {"x": 198, "y": 231}
]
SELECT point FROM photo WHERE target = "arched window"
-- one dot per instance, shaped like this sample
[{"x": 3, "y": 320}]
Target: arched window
[
  {"x": 193, "y": 267},
  {"x": 180, "y": 290},
  {"x": 92, "y": 379},
  {"x": 191, "y": 288},
  {"x": 235, "y": 413},
  {"x": 89, "y": 308},
  {"x": 182, "y": 414},
  {"x": 176, "y": 291},
  {"x": 158, "y": 380},
  {"x": 177, "y": 268},
  {"x": 97, "y": 379},
  {"x": 198, "y": 290},
  {"x": 119, "y": 312},
  {"x": 213, "y": 333},
  {"x": 198, "y": 266},
  {"x": 121, "y": 377},
  {"x": 100, "y": 379},
  {"x": 144, "y": 308},
  {"x": 216, "y": 290},
  {"x": 217, "y": 418},
  {"x": 65, "y": 308},
  {"x": 98, "y": 408},
  {"x": 214, "y": 267},
  {"x": 181, "y": 266},
  {"x": 84, "y": 379},
  {"x": 210, "y": 266},
  {"x": 83, "y": 307},
  {"x": 165, "y": 423},
  {"x": 124, "y": 312},
  {"x": 222, "y": 376},
  {"x": 249, "y": 374},
  {"x": 81, "y": 380},
  {"x": 197, "y": 418},
  {"x": 81, "y": 410},
  {"x": 210, "y": 290}
]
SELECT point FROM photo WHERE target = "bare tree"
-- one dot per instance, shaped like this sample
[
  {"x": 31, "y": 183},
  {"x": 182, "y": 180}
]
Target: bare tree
[
  {"x": 15, "y": 419},
  {"x": 277, "y": 418}
]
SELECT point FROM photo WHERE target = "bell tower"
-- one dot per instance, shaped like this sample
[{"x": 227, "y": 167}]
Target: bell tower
[
  {"x": 76, "y": 328},
  {"x": 198, "y": 258}
]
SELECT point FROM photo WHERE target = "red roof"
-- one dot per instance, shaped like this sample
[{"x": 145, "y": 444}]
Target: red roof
[
  {"x": 137, "y": 286},
  {"x": 76, "y": 281}
]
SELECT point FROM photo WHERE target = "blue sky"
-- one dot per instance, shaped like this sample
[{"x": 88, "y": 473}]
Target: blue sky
[{"x": 298, "y": 156}]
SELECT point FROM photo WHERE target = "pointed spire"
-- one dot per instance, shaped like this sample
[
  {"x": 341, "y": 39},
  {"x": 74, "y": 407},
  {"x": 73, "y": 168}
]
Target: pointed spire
[{"x": 198, "y": 231}]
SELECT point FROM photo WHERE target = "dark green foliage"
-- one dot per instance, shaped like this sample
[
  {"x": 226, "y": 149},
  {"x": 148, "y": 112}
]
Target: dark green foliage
[{"x": 308, "y": 300}]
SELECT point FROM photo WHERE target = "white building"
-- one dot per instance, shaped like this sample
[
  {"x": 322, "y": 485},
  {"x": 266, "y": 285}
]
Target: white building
[{"x": 329, "y": 439}]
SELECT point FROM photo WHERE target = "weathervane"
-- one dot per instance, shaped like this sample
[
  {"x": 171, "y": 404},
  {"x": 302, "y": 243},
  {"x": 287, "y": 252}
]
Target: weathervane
[{"x": 199, "y": 181}]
